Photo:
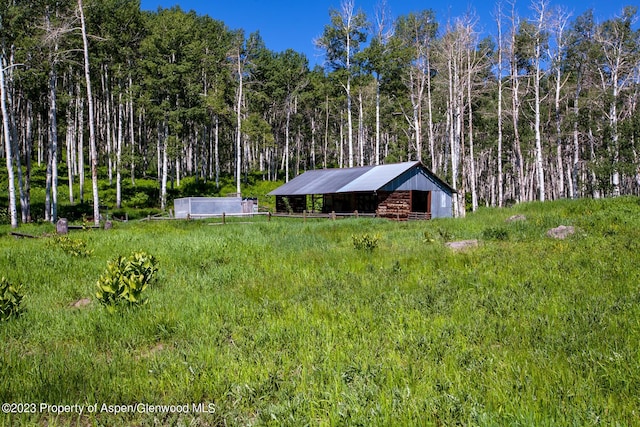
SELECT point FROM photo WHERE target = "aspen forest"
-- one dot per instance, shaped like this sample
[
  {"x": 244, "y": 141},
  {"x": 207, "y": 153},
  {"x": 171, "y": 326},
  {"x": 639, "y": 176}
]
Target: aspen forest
[{"x": 543, "y": 108}]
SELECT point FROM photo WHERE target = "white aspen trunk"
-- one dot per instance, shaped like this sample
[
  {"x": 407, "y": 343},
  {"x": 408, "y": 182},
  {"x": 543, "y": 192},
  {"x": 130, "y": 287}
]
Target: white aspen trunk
[
  {"x": 472, "y": 161},
  {"x": 28, "y": 144},
  {"x": 177, "y": 173},
  {"x": 119, "y": 152},
  {"x": 539, "y": 167},
  {"x": 216, "y": 150},
  {"x": 538, "y": 58},
  {"x": 452, "y": 132},
  {"x": 298, "y": 150},
  {"x": 13, "y": 211},
  {"x": 348, "y": 90},
  {"x": 341, "y": 142},
  {"x": 132, "y": 133},
  {"x": 349, "y": 120},
  {"x": 416, "y": 126},
  {"x": 558, "y": 25},
  {"x": 594, "y": 179},
  {"x": 159, "y": 153},
  {"x": 377, "y": 148},
  {"x": 360, "y": 129},
  {"x": 500, "y": 137},
  {"x": 515, "y": 114},
  {"x": 559, "y": 135},
  {"x": 432, "y": 148},
  {"x": 615, "y": 178},
  {"x": 24, "y": 201},
  {"x": 576, "y": 142},
  {"x": 92, "y": 132},
  {"x": 53, "y": 144},
  {"x": 40, "y": 154},
  {"x": 211, "y": 155},
  {"x": 286, "y": 141},
  {"x": 109, "y": 138},
  {"x": 165, "y": 166},
  {"x": 313, "y": 142},
  {"x": 239, "y": 129},
  {"x": 80, "y": 127},
  {"x": 70, "y": 146},
  {"x": 326, "y": 133}
]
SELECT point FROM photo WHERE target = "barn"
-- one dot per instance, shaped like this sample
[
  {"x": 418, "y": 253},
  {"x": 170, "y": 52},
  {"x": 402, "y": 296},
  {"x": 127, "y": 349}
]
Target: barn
[{"x": 400, "y": 191}]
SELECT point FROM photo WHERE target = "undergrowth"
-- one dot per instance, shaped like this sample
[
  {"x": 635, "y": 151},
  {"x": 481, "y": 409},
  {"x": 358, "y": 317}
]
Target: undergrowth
[{"x": 282, "y": 322}]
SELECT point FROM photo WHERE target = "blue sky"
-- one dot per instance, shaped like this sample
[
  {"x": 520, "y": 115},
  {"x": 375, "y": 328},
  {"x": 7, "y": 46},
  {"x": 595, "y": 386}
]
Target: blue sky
[{"x": 294, "y": 24}]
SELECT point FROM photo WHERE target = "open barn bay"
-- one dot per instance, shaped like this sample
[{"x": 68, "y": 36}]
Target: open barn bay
[{"x": 348, "y": 322}]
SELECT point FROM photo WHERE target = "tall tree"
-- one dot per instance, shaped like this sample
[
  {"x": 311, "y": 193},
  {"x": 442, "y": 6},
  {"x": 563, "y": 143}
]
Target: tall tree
[
  {"x": 618, "y": 45},
  {"x": 341, "y": 41},
  {"x": 580, "y": 46},
  {"x": 377, "y": 58},
  {"x": 540, "y": 38},
  {"x": 415, "y": 35},
  {"x": 514, "y": 77},
  {"x": 93, "y": 148},
  {"x": 13, "y": 212},
  {"x": 558, "y": 28},
  {"x": 499, "y": 78}
]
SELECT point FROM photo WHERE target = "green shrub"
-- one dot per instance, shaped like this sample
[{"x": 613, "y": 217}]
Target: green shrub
[
  {"x": 10, "y": 300},
  {"x": 75, "y": 247},
  {"x": 365, "y": 242},
  {"x": 138, "y": 200},
  {"x": 125, "y": 279},
  {"x": 428, "y": 237}
]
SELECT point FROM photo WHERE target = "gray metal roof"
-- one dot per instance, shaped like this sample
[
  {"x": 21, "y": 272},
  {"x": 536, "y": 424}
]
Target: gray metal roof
[
  {"x": 377, "y": 177},
  {"x": 348, "y": 180}
]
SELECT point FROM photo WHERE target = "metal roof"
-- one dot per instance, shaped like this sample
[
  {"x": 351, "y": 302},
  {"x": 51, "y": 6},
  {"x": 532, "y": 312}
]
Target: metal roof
[
  {"x": 347, "y": 180},
  {"x": 377, "y": 177}
]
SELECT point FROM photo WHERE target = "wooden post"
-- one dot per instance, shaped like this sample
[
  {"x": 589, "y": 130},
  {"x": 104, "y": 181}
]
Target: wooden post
[
  {"x": 333, "y": 215},
  {"x": 269, "y": 217},
  {"x": 356, "y": 213},
  {"x": 304, "y": 215},
  {"x": 224, "y": 218}
]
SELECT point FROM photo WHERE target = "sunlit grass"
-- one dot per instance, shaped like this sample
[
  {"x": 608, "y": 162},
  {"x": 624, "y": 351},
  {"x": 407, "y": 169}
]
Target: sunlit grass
[{"x": 285, "y": 322}]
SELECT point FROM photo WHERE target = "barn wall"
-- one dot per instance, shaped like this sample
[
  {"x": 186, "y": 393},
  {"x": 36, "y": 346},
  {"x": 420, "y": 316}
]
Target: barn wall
[
  {"x": 419, "y": 179},
  {"x": 441, "y": 205}
]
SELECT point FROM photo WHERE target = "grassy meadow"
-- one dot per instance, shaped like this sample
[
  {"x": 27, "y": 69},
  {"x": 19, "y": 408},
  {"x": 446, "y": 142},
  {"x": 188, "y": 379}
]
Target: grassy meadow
[{"x": 287, "y": 322}]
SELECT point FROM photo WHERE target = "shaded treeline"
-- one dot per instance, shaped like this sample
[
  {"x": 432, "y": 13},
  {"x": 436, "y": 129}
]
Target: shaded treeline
[{"x": 545, "y": 108}]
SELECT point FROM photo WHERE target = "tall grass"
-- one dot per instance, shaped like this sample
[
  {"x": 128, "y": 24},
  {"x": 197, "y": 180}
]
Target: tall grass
[{"x": 285, "y": 322}]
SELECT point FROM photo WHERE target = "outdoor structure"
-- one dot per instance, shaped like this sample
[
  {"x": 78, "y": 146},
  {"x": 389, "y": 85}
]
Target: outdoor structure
[
  {"x": 204, "y": 207},
  {"x": 399, "y": 191}
]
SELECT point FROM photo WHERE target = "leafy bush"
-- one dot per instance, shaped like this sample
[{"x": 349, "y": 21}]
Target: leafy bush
[
  {"x": 365, "y": 242},
  {"x": 138, "y": 200},
  {"x": 428, "y": 237},
  {"x": 10, "y": 300},
  {"x": 125, "y": 279},
  {"x": 75, "y": 247}
]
